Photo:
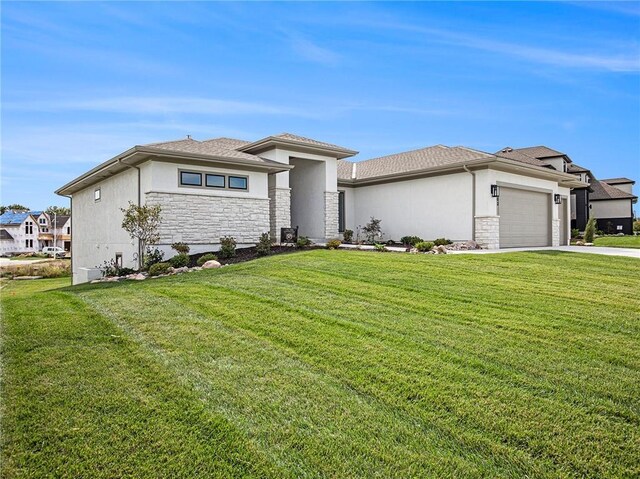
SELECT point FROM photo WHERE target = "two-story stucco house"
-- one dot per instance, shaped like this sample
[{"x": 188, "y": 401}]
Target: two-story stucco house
[{"x": 208, "y": 189}]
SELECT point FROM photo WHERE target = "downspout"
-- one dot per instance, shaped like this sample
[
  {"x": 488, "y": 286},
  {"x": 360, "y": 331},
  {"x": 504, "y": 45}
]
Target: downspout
[
  {"x": 140, "y": 265},
  {"x": 473, "y": 202}
]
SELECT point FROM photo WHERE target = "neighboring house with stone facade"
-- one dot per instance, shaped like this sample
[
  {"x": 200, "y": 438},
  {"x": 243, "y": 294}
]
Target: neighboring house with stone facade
[{"x": 212, "y": 188}]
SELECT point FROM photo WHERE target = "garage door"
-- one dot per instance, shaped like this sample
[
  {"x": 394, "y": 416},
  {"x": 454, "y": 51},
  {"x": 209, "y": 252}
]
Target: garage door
[{"x": 524, "y": 218}]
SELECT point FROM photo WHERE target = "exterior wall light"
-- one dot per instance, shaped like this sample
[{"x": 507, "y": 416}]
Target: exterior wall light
[
  {"x": 557, "y": 199},
  {"x": 495, "y": 191}
]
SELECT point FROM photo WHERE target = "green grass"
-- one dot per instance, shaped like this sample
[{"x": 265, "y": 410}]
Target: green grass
[
  {"x": 618, "y": 241},
  {"x": 330, "y": 364}
]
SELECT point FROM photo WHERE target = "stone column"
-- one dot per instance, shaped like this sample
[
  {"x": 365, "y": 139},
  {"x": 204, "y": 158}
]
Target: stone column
[
  {"x": 555, "y": 231},
  {"x": 488, "y": 231},
  {"x": 331, "y": 214},
  {"x": 279, "y": 211}
]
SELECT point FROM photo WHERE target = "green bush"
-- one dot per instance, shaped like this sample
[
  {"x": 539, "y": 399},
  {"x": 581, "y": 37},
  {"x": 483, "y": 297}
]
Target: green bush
[
  {"x": 575, "y": 232},
  {"x": 424, "y": 246},
  {"x": 590, "y": 230},
  {"x": 442, "y": 242},
  {"x": 227, "y": 247},
  {"x": 380, "y": 247},
  {"x": 152, "y": 256},
  {"x": 410, "y": 240},
  {"x": 303, "y": 242},
  {"x": 347, "y": 236},
  {"x": 206, "y": 257},
  {"x": 180, "y": 260},
  {"x": 263, "y": 247},
  {"x": 181, "y": 247},
  {"x": 159, "y": 268},
  {"x": 636, "y": 226},
  {"x": 334, "y": 244}
]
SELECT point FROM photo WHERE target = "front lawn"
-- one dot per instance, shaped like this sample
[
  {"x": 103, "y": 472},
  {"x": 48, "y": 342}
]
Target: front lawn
[
  {"x": 330, "y": 364},
  {"x": 618, "y": 241}
]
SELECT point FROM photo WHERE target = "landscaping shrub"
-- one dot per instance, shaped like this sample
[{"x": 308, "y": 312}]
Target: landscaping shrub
[
  {"x": 180, "y": 260},
  {"x": 152, "y": 257},
  {"x": 636, "y": 227},
  {"x": 51, "y": 269},
  {"x": 590, "y": 230},
  {"x": 263, "y": 247},
  {"x": 442, "y": 242},
  {"x": 206, "y": 257},
  {"x": 575, "y": 233},
  {"x": 424, "y": 246},
  {"x": 347, "y": 236},
  {"x": 181, "y": 247},
  {"x": 159, "y": 268},
  {"x": 372, "y": 230},
  {"x": 303, "y": 242},
  {"x": 380, "y": 247},
  {"x": 410, "y": 240},
  {"x": 227, "y": 247},
  {"x": 334, "y": 244}
]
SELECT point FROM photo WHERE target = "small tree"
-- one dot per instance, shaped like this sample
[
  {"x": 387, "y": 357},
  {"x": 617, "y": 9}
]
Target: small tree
[
  {"x": 372, "y": 230},
  {"x": 58, "y": 210},
  {"x": 142, "y": 222},
  {"x": 590, "y": 230}
]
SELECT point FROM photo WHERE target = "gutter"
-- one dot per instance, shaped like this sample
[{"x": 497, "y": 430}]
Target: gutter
[{"x": 473, "y": 202}]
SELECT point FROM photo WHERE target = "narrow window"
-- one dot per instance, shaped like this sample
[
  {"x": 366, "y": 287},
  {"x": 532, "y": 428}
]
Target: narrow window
[
  {"x": 190, "y": 179},
  {"x": 341, "y": 211},
  {"x": 97, "y": 194},
  {"x": 68, "y": 230},
  {"x": 42, "y": 221},
  {"x": 119, "y": 260},
  {"x": 26, "y": 243},
  {"x": 238, "y": 182},
  {"x": 215, "y": 181}
]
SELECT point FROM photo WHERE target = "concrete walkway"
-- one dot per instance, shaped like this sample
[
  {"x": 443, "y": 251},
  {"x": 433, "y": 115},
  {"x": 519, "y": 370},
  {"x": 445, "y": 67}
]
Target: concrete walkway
[{"x": 628, "y": 252}]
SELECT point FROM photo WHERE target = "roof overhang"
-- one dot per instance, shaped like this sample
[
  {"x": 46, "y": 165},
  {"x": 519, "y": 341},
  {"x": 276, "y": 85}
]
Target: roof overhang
[
  {"x": 140, "y": 154},
  {"x": 566, "y": 180},
  {"x": 271, "y": 142}
]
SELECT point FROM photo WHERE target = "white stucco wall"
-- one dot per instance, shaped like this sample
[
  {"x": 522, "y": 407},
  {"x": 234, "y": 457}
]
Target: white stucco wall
[
  {"x": 98, "y": 234},
  {"x": 307, "y": 183},
  {"x": 611, "y": 209},
  {"x": 428, "y": 207},
  {"x": 626, "y": 187}
]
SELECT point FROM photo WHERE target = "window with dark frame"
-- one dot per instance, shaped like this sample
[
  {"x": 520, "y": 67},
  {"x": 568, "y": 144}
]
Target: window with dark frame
[
  {"x": 215, "y": 181},
  {"x": 341, "y": 221},
  {"x": 188, "y": 178},
  {"x": 238, "y": 182}
]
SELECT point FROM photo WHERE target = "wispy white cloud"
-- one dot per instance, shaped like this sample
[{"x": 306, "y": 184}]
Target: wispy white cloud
[{"x": 313, "y": 52}]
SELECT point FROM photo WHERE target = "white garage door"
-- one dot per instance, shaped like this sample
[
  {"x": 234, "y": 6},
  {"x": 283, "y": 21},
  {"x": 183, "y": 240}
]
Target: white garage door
[{"x": 524, "y": 218}]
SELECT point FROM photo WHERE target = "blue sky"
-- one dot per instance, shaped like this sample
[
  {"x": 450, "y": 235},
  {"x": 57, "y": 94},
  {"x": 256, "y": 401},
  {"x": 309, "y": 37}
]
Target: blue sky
[{"x": 82, "y": 82}]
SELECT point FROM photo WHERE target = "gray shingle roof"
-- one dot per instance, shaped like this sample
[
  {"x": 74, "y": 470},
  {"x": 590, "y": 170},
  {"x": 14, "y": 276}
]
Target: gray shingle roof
[
  {"x": 219, "y": 147},
  {"x": 603, "y": 191},
  {"x": 618, "y": 181},
  {"x": 573, "y": 168},
  {"x": 410, "y": 161},
  {"x": 310, "y": 141},
  {"x": 540, "y": 152},
  {"x": 518, "y": 155}
]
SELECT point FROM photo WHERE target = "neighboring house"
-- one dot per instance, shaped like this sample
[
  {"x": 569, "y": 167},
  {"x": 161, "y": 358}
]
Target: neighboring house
[
  {"x": 610, "y": 201},
  {"x": 19, "y": 232},
  {"x": 208, "y": 189}
]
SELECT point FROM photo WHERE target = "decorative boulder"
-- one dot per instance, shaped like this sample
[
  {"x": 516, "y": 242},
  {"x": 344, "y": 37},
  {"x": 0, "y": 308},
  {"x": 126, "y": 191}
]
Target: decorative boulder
[
  {"x": 440, "y": 249},
  {"x": 139, "y": 277},
  {"x": 211, "y": 264}
]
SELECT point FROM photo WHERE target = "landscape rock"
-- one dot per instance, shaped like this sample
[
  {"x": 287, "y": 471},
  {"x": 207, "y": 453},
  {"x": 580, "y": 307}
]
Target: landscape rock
[
  {"x": 138, "y": 277},
  {"x": 211, "y": 264},
  {"x": 184, "y": 269},
  {"x": 440, "y": 249}
]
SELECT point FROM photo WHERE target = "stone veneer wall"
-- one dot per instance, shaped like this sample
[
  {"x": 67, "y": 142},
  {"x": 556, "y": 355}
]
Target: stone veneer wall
[
  {"x": 555, "y": 232},
  {"x": 203, "y": 219},
  {"x": 279, "y": 211},
  {"x": 331, "y": 214},
  {"x": 488, "y": 231}
]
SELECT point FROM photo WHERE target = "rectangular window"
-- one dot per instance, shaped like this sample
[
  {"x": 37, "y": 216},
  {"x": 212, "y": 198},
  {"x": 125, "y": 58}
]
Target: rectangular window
[
  {"x": 119, "y": 260},
  {"x": 26, "y": 243},
  {"x": 215, "y": 181},
  {"x": 68, "y": 230},
  {"x": 238, "y": 182},
  {"x": 97, "y": 194},
  {"x": 190, "y": 179},
  {"x": 42, "y": 221}
]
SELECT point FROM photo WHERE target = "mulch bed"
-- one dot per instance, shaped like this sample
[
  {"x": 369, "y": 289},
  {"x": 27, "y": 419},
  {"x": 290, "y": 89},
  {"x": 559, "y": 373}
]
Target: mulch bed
[{"x": 247, "y": 254}]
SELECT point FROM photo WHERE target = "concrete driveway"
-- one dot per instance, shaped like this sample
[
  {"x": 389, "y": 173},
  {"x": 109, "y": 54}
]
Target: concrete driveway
[{"x": 628, "y": 252}]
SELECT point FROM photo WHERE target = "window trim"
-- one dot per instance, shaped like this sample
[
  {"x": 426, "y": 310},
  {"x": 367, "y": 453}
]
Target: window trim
[
  {"x": 203, "y": 185},
  {"x": 188, "y": 185},
  {"x": 206, "y": 181},
  {"x": 246, "y": 183}
]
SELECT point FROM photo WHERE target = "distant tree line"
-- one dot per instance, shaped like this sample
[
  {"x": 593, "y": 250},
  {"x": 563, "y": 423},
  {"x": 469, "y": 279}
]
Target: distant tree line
[{"x": 51, "y": 210}]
